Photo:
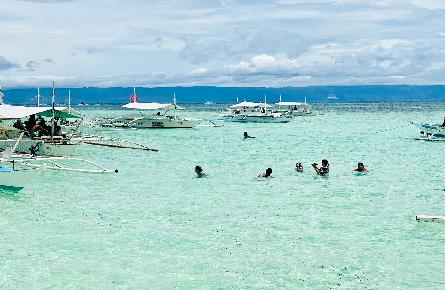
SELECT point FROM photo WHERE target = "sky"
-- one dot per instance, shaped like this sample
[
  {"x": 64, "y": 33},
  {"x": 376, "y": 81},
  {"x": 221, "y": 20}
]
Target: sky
[{"x": 273, "y": 43}]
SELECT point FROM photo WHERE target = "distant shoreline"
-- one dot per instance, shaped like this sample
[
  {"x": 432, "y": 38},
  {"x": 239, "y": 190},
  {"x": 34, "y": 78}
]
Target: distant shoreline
[{"x": 230, "y": 95}]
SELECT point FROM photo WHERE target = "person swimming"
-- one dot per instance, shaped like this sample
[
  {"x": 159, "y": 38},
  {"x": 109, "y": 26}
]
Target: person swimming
[
  {"x": 361, "y": 168},
  {"x": 199, "y": 171},
  {"x": 299, "y": 167},
  {"x": 267, "y": 173},
  {"x": 324, "y": 169},
  {"x": 443, "y": 124},
  {"x": 247, "y": 136}
]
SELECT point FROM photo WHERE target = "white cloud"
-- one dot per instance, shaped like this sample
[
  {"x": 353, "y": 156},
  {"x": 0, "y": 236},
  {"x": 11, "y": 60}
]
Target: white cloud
[{"x": 199, "y": 71}]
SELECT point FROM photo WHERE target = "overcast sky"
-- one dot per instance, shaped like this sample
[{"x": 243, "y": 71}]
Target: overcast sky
[{"x": 221, "y": 42}]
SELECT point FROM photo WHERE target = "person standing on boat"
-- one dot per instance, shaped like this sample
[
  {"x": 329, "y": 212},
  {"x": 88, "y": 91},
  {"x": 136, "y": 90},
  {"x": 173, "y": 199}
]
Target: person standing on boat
[
  {"x": 361, "y": 168},
  {"x": 247, "y": 136},
  {"x": 324, "y": 169},
  {"x": 199, "y": 171},
  {"x": 267, "y": 173}
]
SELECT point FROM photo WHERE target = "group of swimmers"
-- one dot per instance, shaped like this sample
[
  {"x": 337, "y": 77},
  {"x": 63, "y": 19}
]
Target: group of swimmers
[{"x": 322, "y": 170}]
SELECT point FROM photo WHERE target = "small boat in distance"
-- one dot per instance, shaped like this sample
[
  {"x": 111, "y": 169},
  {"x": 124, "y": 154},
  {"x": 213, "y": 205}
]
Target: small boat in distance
[
  {"x": 254, "y": 112},
  {"x": 293, "y": 109}
]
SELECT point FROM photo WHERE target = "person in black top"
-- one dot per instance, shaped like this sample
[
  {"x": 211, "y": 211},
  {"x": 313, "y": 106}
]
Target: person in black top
[
  {"x": 324, "y": 169},
  {"x": 267, "y": 173},
  {"x": 361, "y": 168},
  {"x": 199, "y": 171}
]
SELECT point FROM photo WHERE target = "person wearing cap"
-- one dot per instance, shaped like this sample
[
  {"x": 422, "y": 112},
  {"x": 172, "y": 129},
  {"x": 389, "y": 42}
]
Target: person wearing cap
[{"x": 360, "y": 168}]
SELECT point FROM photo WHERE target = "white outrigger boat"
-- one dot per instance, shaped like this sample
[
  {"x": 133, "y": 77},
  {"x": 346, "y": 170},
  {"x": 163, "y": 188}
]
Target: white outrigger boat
[
  {"x": 43, "y": 145},
  {"x": 431, "y": 132},
  {"x": 295, "y": 109},
  {"x": 52, "y": 144},
  {"x": 152, "y": 120},
  {"x": 254, "y": 112}
]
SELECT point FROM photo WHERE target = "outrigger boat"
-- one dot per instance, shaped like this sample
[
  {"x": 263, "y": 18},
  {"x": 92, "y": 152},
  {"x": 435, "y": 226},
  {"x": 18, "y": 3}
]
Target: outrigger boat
[
  {"x": 151, "y": 120},
  {"x": 431, "y": 132},
  {"x": 254, "y": 112},
  {"x": 53, "y": 143},
  {"x": 294, "y": 109}
]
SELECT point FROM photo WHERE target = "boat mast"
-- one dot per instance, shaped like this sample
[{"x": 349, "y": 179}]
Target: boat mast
[
  {"x": 38, "y": 96},
  {"x": 1, "y": 96},
  {"x": 134, "y": 97},
  {"x": 174, "y": 103},
  {"x": 265, "y": 104},
  {"x": 69, "y": 101},
  {"x": 53, "y": 96}
]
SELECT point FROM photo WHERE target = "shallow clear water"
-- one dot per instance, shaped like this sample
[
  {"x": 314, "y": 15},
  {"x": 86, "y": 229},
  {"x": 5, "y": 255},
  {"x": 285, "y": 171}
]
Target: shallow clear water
[{"x": 154, "y": 225}]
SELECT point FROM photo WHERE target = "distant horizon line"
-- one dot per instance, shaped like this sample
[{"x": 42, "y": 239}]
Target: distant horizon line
[{"x": 228, "y": 87}]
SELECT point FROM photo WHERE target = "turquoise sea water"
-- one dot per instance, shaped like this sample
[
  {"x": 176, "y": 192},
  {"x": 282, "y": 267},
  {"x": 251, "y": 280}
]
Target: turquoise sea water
[{"x": 154, "y": 225}]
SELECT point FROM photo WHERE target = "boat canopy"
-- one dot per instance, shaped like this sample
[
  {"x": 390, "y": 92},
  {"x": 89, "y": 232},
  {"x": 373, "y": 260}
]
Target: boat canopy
[
  {"x": 291, "y": 104},
  {"x": 250, "y": 105},
  {"x": 8, "y": 112},
  {"x": 152, "y": 106}
]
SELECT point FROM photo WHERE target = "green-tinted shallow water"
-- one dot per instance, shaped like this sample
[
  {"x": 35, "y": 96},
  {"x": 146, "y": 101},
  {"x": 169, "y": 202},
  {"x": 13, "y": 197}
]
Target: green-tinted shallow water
[{"x": 154, "y": 225}]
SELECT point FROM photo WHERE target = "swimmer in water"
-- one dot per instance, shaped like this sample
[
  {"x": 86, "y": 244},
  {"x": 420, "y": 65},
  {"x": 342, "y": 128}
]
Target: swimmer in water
[
  {"x": 199, "y": 172},
  {"x": 360, "y": 168},
  {"x": 267, "y": 173},
  {"x": 299, "y": 167},
  {"x": 324, "y": 169},
  {"x": 247, "y": 136},
  {"x": 443, "y": 124}
]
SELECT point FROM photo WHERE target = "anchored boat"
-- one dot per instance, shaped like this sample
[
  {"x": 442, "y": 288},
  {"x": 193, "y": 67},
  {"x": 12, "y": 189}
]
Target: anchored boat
[
  {"x": 40, "y": 138},
  {"x": 254, "y": 112},
  {"x": 295, "y": 109},
  {"x": 159, "y": 120},
  {"x": 431, "y": 132}
]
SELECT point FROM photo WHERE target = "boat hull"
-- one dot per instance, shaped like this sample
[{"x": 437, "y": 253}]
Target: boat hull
[
  {"x": 15, "y": 179},
  {"x": 151, "y": 122},
  {"x": 163, "y": 123},
  {"x": 256, "y": 119},
  {"x": 43, "y": 149}
]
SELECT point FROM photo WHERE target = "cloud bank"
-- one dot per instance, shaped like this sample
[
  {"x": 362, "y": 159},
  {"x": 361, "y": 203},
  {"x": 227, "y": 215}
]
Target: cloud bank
[{"x": 226, "y": 42}]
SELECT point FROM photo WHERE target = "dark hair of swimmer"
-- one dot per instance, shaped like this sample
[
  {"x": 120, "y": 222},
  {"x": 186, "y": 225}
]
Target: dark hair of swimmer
[
  {"x": 198, "y": 169},
  {"x": 268, "y": 172},
  {"x": 324, "y": 163}
]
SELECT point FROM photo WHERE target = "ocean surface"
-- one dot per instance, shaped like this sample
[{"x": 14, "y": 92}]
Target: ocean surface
[{"x": 154, "y": 225}]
